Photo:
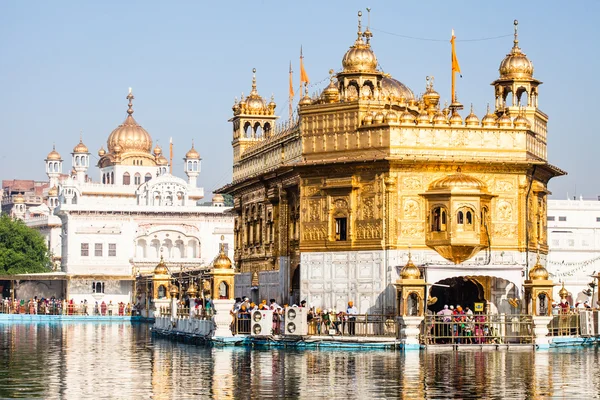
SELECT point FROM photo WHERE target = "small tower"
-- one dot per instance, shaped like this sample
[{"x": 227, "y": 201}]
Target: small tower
[
  {"x": 538, "y": 290},
  {"x": 19, "y": 207},
  {"x": 53, "y": 198},
  {"x": 53, "y": 166},
  {"x": 223, "y": 275},
  {"x": 81, "y": 160},
  {"x": 192, "y": 165},
  {"x": 253, "y": 120},
  {"x": 161, "y": 280}
]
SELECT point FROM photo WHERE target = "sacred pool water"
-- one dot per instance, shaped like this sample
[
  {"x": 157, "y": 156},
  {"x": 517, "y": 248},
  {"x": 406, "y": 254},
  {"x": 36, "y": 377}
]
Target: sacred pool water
[{"x": 81, "y": 360}]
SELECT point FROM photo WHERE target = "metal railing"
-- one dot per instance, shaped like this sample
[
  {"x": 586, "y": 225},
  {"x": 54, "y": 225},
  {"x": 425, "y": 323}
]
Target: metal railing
[
  {"x": 477, "y": 329},
  {"x": 184, "y": 312},
  {"x": 565, "y": 324},
  {"x": 57, "y": 308}
]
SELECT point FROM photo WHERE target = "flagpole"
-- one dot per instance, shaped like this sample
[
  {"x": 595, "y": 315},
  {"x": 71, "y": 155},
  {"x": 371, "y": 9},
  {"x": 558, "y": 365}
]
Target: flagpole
[
  {"x": 453, "y": 69},
  {"x": 171, "y": 156},
  {"x": 291, "y": 94}
]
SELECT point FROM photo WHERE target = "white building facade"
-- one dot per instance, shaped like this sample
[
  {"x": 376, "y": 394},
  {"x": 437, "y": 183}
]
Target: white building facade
[{"x": 101, "y": 234}]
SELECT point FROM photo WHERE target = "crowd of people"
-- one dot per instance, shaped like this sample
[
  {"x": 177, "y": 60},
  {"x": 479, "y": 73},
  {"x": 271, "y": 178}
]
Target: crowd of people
[
  {"x": 56, "y": 306},
  {"x": 326, "y": 321},
  {"x": 458, "y": 325}
]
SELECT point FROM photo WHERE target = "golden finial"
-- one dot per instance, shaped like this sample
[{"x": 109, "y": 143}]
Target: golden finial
[
  {"x": 516, "y": 41},
  {"x": 472, "y": 108},
  {"x": 488, "y": 108},
  {"x": 253, "y": 79},
  {"x": 359, "y": 26},
  {"x": 409, "y": 254},
  {"x": 368, "y": 35},
  {"x": 331, "y": 71},
  {"x": 130, "y": 105}
]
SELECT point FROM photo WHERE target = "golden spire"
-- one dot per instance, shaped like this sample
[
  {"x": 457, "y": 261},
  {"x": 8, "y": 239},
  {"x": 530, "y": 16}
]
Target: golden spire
[
  {"x": 253, "y": 91},
  {"x": 516, "y": 39},
  {"x": 360, "y": 33},
  {"x": 130, "y": 105},
  {"x": 368, "y": 35}
]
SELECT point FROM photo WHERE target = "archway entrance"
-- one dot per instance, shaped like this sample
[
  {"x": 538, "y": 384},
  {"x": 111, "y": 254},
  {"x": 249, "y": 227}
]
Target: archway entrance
[
  {"x": 462, "y": 290},
  {"x": 295, "y": 290}
]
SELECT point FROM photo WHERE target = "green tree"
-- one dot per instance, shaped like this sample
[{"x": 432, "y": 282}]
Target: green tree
[
  {"x": 22, "y": 249},
  {"x": 228, "y": 200}
]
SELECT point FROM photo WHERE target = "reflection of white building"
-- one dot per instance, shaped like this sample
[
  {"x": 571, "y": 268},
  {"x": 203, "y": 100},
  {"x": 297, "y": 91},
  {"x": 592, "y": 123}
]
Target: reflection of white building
[
  {"x": 101, "y": 233},
  {"x": 574, "y": 243}
]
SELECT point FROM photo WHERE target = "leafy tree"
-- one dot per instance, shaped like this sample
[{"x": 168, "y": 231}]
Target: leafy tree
[
  {"x": 22, "y": 249},
  {"x": 228, "y": 200}
]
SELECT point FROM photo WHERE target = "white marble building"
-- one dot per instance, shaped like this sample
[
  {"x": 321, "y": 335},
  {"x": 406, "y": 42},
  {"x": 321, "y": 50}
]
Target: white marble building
[
  {"x": 102, "y": 233},
  {"x": 574, "y": 242}
]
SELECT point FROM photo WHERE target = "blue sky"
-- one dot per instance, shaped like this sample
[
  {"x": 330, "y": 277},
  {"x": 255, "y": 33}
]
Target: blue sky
[{"x": 65, "y": 67}]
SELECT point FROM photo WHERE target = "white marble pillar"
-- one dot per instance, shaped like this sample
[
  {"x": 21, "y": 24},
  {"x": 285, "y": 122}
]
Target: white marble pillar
[
  {"x": 540, "y": 330},
  {"x": 222, "y": 317},
  {"x": 410, "y": 329}
]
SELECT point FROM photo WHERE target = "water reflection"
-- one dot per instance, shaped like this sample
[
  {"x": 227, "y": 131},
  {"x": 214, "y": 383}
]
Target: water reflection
[{"x": 120, "y": 360}]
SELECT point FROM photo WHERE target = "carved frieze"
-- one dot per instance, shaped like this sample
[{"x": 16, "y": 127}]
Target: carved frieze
[{"x": 411, "y": 209}]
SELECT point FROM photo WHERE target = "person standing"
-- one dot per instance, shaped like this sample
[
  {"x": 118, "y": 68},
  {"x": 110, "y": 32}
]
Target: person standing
[{"x": 352, "y": 312}]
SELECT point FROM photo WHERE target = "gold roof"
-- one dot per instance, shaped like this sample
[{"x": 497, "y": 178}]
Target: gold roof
[
  {"x": 101, "y": 152},
  {"x": 331, "y": 94},
  {"x": 192, "y": 154},
  {"x": 18, "y": 199},
  {"x": 254, "y": 104},
  {"x": 563, "y": 293},
  {"x": 161, "y": 268},
  {"x": 516, "y": 65},
  {"x": 395, "y": 90},
  {"x": 157, "y": 150},
  {"x": 129, "y": 136},
  {"x": 222, "y": 261},
  {"x": 53, "y": 155},
  {"x": 53, "y": 192},
  {"x": 360, "y": 57},
  {"x": 162, "y": 160},
  {"x": 471, "y": 119},
  {"x": 218, "y": 198},
  {"x": 458, "y": 181},
  {"x": 538, "y": 272},
  {"x": 80, "y": 148},
  {"x": 410, "y": 271},
  {"x": 489, "y": 119}
]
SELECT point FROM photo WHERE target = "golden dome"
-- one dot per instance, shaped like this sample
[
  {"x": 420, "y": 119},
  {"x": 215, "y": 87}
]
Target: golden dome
[
  {"x": 331, "y": 94},
  {"x": 191, "y": 290},
  {"x": 305, "y": 101},
  {"x": 455, "y": 119},
  {"x": 218, "y": 198},
  {"x": 161, "y": 268},
  {"x": 423, "y": 118},
  {"x": 162, "y": 160},
  {"x": 18, "y": 199},
  {"x": 431, "y": 98},
  {"x": 53, "y": 192},
  {"x": 440, "y": 118},
  {"x": 563, "y": 293},
  {"x": 516, "y": 65},
  {"x": 192, "y": 154},
  {"x": 157, "y": 150},
  {"x": 53, "y": 155},
  {"x": 222, "y": 261},
  {"x": 458, "y": 181},
  {"x": 538, "y": 272},
  {"x": 80, "y": 148},
  {"x": 129, "y": 136},
  {"x": 521, "y": 122},
  {"x": 395, "y": 90},
  {"x": 407, "y": 118},
  {"x": 272, "y": 105},
  {"x": 174, "y": 291},
  {"x": 254, "y": 104},
  {"x": 410, "y": 271},
  {"x": 101, "y": 152},
  {"x": 472, "y": 119},
  {"x": 391, "y": 117},
  {"x": 504, "y": 121},
  {"x": 378, "y": 118},
  {"x": 368, "y": 119},
  {"x": 360, "y": 57},
  {"x": 489, "y": 119}
]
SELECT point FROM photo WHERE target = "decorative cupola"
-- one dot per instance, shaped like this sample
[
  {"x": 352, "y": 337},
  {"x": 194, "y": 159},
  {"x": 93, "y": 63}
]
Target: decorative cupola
[
  {"x": 53, "y": 166},
  {"x": 538, "y": 290},
  {"x": 80, "y": 160},
  {"x": 459, "y": 220},
  {"x": 19, "y": 207},
  {"x": 192, "y": 165}
]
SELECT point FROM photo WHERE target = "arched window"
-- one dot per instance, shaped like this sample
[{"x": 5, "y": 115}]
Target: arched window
[
  {"x": 247, "y": 130},
  {"x": 104, "y": 178},
  {"x": 258, "y": 132},
  {"x": 223, "y": 290},
  {"x": 137, "y": 179},
  {"x": 162, "y": 292},
  {"x": 460, "y": 218},
  {"x": 438, "y": 219},
  {"x": 412, "y": 305},
  {"x": 148, "y": 177},
  {"x": 112, "y": 178},
  {"x": 126, "y": 178}
]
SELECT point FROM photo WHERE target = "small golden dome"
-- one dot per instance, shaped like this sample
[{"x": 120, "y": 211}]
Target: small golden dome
[
  {"x": 157, "y": 150},
  {"x": 439, "y": 118},
  {"x": 222, "y": 261},
  {"x": 129, "y": 136},
  {"x": 254, "y": 104},
  {"x": 521, "y": 122},
  {"x": 472, "y": 119},
  {"x": 191, "y": 290},
  {"x": 80, "y": 148},
  {"x": 360, "y": 57},
  {"x": 331, "y": 94},
  {"x": 455, "y": 119},
  {"x": 458, "y": 181},
  {"x": 53, "y": 155},
  {"x": 516, "y": 65},
  {"x": 391, "y": 116},
  {"x": 368, "y": 119},
  {"x": 18, "y": 199},
  {"x": 410, "y": 271},
  {"x": 305, "y": 101},
  {"x": 162, "y": 160},
  {"x": 407, "y": 118},
  {"x": 218, "y": 198},
  {"x": 174, "y": 291},
  {"x": 192, "y": 154},
  {"x": 53, "y": 192},
  {"x": 538, "y": 272},
  {"x": 563, "y": 293},
  {"x": 161, "y": 268},
  {"x": 504, "y": 121},
  {"x": 272, "y": 105},
  {"x": 101, "y": 152},
  {"x": 423, "y": 118},
  {"x": 431, "y": 98},
  {"x": 489, "y": 119},
  {"x": 395, "y": 90},
  {"x": 379, "y": 117}
]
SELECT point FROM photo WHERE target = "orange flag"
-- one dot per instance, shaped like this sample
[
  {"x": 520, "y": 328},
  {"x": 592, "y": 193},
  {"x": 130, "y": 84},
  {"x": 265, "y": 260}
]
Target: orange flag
[
  {"x": 303, "y": 75},
  {"x": 455, "y": 66},
  {"x": 291, "y": 83}
]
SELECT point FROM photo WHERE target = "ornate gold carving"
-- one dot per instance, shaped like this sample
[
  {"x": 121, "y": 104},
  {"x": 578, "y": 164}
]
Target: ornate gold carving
[
  {"x": 340, "y": 203},
  {"x": 411, "y": 209},
  {"x": 504, "y": 186},
  {"x": 412, "y": 183},
  {"x": 504, "y": 210},
  {"x": 368, "y": 230},
  {"x": 368, "y": 211},
  {"x": 315, "y": 211},
  {"x": 412, "y": 229},
  {"x": 505, "y": 230},
  {"x": 317, "y": 232}
]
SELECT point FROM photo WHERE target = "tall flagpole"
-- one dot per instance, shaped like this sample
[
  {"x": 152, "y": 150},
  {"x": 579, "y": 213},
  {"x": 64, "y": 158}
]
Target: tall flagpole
[
  {"x": 171, "y": 156},
  {"x": 291, "y": 94}
]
